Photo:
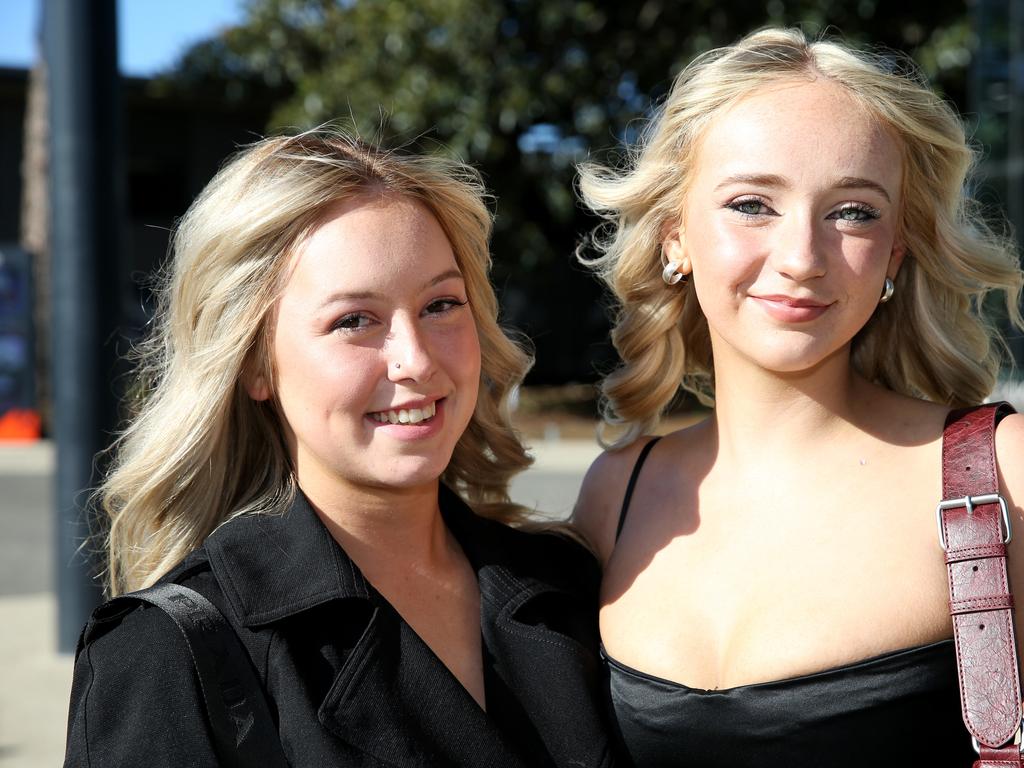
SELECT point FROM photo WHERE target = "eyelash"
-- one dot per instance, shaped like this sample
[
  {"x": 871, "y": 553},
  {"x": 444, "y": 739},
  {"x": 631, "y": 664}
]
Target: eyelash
[
  {"x": 343, "y": 322},
  {"x": 869, "y": 212},
  {"x": 450, "y": 304},
  {"x": 735, "y": 206}
]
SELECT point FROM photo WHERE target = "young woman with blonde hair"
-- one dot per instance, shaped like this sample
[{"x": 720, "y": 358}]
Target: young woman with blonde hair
[
  {"x": 791, "y": 243},
  {"x": 321, "y": 449}
]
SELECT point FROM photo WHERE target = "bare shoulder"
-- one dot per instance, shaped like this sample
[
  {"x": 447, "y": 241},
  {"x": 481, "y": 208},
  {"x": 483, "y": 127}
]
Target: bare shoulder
[
  {"x": 597, "y": 509},
  {"x": 901, "y": 419}
]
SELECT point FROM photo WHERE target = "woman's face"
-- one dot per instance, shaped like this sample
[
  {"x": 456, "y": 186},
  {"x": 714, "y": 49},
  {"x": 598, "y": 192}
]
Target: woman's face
[
  {"x": 790, "y": 224},
  {"x": 376, "y": 356}
]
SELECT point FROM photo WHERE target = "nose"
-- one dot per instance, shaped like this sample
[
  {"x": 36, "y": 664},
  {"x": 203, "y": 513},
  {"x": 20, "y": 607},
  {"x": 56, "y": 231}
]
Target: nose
[
  {"x": 798, "y": 251},
  {"x": 408, "y": 353}
]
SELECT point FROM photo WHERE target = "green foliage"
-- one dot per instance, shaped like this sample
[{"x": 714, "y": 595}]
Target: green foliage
[{"x": 523, "y": 89}]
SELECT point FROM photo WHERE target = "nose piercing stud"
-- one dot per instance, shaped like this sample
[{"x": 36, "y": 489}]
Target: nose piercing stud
[{"x": 397, "y": 366}]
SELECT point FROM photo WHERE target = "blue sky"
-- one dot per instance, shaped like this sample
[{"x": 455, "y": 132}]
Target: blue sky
[{"x": 151, "y": 33}]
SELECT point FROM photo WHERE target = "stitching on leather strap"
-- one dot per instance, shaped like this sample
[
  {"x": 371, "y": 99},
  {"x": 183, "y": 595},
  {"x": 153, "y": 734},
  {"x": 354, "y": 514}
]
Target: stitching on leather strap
[
  {"x": 976, "y": 604},
  {"x": 979, "y": 552},
  {"x": 990, "y": 694}
]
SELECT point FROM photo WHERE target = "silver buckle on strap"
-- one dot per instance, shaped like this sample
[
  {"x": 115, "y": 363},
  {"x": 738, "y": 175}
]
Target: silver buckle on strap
[
  {"x": 1016, "y": 739},
  {"x": 970, "y": 502}
]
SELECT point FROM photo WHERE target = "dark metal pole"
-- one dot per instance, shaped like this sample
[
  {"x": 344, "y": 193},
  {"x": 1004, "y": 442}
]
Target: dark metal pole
[{"x": 80, "y": 46}]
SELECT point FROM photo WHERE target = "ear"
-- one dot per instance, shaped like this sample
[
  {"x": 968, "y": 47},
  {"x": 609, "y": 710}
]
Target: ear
[
  {"x": 257, "y": 387},
  {"x": 254, "y": 379},
  {"x": 673, "y": 247},
  {"x": 896, "y": 255}
]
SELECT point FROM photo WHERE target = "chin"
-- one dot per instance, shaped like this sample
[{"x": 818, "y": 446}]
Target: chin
[
  {"x": 794, "y": 359},
  {"x": 414, "y": 471}
]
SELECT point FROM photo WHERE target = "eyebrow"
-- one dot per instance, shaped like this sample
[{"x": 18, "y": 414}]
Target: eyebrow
[
  {"x": 774, "y": 180},
  {"x": 854, "y": 182},
  {"x": 342, "y": 295}
]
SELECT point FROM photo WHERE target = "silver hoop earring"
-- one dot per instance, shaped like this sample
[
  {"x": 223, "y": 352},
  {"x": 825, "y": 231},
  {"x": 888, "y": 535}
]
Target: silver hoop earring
[
  {"x": 888, "y": 289},
  {"x": 670, "y": 274}
]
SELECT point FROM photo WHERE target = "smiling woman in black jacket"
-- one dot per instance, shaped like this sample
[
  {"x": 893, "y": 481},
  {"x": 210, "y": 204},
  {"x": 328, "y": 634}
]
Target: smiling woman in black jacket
[{"x": 322, "y": 450}]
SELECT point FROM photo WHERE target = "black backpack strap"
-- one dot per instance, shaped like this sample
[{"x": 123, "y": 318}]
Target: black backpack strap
[{"x": 243, "y": 730}]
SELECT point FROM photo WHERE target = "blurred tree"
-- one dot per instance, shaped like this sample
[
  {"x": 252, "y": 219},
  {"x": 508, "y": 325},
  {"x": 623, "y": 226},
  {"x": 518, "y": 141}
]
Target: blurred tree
[
  {"x": 523, "y": 89},
  {"x": 997, "y": 98}
]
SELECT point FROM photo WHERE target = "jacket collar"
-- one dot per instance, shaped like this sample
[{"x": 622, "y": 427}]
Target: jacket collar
[{"x": 275, "y": 566}]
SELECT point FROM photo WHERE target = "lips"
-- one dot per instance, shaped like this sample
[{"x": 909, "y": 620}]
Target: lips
[{"x": 791, "y": 309}]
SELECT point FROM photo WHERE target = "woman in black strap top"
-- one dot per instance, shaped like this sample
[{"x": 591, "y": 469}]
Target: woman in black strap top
[{"x": 791, "y": 245}]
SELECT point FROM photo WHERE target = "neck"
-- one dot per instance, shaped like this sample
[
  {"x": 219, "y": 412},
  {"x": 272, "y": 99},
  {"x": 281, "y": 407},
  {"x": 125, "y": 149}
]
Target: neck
[
  {"x": 760, "y": 413},
  {"x": 387, "y": 532}
]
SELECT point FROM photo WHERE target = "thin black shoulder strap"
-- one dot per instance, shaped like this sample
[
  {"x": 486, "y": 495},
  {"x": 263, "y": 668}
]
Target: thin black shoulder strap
[
  {"x": 632, "y": 484},
  {"x": 243, "y": 730}
]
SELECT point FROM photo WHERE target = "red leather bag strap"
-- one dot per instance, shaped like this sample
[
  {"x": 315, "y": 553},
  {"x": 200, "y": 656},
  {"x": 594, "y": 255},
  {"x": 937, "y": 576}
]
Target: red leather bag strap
[{"x": 974, "y": 527}]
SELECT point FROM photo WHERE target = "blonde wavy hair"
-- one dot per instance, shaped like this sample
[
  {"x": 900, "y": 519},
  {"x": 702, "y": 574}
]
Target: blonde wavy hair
[
  {"x": 930, "y": 341},
  {"x": 198, "y": 449}
]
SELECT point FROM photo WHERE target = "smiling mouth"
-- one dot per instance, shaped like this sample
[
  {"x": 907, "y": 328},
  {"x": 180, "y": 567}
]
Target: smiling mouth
[
  {"x": 786, "y": 309},
  {"x": 795, "y": 303},
  {"x": 406, "y": 415}
]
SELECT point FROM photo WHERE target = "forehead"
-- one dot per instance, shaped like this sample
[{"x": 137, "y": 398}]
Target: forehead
[
  {"x": 387, "y": 247},
  {"x": 806, "y": 131},
  {"x": 374, "y": 235},
  {"x": 387, "y": 218}
]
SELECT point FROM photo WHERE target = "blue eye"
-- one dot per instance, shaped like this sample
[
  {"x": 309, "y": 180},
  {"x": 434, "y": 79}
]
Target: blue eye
[
  {"x": 855, "y": 212},
  {"x": 750, "y": 207}
]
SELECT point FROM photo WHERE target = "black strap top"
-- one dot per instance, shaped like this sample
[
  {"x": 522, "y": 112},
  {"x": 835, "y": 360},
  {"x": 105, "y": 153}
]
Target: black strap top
[
  {"x": 632, "y": 484},
  {"x": 902, "y": 708}
]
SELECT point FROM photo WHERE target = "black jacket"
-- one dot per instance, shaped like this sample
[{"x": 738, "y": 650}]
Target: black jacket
[{"x": 348, "y": 681}]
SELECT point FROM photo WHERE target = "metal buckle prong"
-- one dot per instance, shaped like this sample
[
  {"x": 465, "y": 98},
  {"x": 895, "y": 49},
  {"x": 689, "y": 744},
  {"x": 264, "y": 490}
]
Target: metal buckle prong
[{"x": 970, "y": 502}]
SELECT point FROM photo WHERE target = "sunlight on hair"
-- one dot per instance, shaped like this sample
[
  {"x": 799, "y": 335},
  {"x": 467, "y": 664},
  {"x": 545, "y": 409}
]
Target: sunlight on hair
[{"x": 198, "y": 450}]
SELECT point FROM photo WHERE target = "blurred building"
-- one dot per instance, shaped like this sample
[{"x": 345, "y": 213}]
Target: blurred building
[{"x": 174, "y": 143}]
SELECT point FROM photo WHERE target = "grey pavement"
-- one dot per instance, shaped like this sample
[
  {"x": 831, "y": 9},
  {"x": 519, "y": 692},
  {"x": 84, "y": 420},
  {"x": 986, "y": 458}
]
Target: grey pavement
[{"x": 35, "y": 680}]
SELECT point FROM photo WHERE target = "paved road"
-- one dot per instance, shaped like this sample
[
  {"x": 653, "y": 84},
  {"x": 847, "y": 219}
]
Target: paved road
[
  {"x": 26, "y": 533},
  {"x": 34, "y": 679},
  {"x": 33, "y": 694}
]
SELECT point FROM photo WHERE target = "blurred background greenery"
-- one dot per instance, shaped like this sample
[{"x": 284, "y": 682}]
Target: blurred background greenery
[{"x": 523, "y": 90}]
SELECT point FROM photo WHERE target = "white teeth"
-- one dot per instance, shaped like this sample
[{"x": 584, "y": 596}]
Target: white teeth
[{"x": 405, "y": 416}]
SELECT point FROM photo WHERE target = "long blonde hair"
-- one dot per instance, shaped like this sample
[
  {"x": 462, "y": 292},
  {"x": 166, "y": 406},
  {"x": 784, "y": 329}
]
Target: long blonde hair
[
  {"x": 930, "y": 341},
  {"x": 198, "y": 450}
]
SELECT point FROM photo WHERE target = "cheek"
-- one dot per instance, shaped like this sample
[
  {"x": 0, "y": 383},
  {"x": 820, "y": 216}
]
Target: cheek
[
  {"x": 864, "y": 263},
  {"x": 317, "y": 377},
  {"x": 466, "y": 353},
  {"x": 459, "y": 346},
  {"x": 723, "y": 254}
]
